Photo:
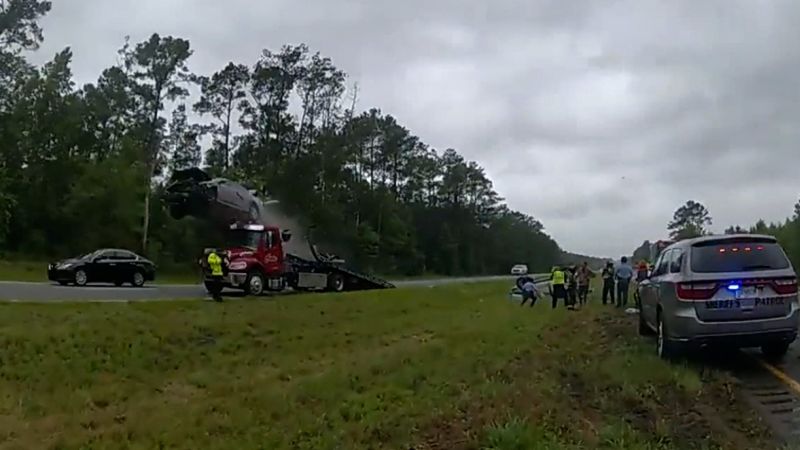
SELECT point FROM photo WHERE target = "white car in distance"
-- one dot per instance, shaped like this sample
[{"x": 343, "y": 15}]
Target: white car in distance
[{"x": 519, "y": 269}]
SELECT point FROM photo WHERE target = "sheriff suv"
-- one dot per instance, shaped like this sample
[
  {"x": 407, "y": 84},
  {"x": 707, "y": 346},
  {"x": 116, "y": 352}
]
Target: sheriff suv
[{"x": 735, "y": 291}]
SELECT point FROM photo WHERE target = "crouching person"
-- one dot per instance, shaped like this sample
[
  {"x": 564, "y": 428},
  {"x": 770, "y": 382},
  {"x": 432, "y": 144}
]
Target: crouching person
[{"x": 529, "y": 292}]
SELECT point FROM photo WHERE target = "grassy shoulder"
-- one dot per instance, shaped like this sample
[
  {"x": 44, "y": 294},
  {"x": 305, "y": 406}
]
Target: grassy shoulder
[
  {"x": 448, "y": 367},
  {"x": 36, "y": 271}
]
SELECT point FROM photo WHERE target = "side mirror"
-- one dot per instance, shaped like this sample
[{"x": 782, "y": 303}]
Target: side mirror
[{"x": 286, "y": 235}]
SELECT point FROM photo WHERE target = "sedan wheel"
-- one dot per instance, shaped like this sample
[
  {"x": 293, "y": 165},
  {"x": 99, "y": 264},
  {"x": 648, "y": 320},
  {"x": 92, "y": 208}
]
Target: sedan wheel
[
  {"x": 80, "y": 278},
  {"x": 138, "y": 279}
]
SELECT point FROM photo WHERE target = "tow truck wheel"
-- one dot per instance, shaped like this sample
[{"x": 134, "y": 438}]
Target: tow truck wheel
[
  {"x": 335, "y": 282},
  {"x": 255, "y": 284}
]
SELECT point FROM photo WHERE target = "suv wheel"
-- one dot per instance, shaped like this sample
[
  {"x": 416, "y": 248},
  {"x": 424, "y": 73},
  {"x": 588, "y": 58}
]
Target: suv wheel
[
  {"x": 775, "y": 350},
  {"x": 644, "y": 329},
  {"x": 255, "y": 284},
  {"x": 666, "y": 348}
]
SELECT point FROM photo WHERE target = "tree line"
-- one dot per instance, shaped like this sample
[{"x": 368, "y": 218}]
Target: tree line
[
  {"x": 693, "y": 219},
  {"x": 83, "y": 167}
]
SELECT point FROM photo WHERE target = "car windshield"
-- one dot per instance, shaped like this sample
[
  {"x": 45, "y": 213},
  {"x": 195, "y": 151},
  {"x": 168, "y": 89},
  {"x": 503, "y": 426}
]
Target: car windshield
[
  {"x": 244, "y": 238},
  {"x": 738, "y": 256}
]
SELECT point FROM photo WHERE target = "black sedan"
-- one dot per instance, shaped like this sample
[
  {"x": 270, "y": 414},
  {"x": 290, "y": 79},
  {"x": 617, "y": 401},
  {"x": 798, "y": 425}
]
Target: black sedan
[
  {"x": 103, "y": 266},
  {"x": 193, "y": 192}
]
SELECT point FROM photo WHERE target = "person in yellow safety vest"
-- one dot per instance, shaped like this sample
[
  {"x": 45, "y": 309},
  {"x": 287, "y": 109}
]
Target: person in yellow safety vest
[
  {"x": 215, "y": 265},
  {"x": 558, "y": 279}
]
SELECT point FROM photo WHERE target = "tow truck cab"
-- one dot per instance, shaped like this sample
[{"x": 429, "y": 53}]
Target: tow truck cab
[
  {"x": 256, "y": 261},
  {"x": 255, "y": 258}
]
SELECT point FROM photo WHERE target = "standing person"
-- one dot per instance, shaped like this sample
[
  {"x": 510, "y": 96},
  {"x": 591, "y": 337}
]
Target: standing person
[
  {"x": 641, "y": 271},
  {"x": 608, "y": 283},
  {"x": 572, "y": 289},
  {"x": 529, "y": 291},
  {"x": 557, "y": 281},
  {"x": 215, "y": 286},
  {"x": 584, "y": 277},
  {"x": 623, "y": 274}
]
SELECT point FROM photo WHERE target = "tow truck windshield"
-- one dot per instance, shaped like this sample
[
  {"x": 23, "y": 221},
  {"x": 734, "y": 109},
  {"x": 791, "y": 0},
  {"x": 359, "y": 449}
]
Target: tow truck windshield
[{"x": 244, "y": 238}]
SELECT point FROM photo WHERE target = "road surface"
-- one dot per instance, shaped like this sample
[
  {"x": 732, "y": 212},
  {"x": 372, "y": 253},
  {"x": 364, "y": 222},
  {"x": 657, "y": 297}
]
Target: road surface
[{"x": 11, "y": 291}]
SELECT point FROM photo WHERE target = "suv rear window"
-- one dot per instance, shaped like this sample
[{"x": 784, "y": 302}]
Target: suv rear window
[{"x": 739, "y": 255}]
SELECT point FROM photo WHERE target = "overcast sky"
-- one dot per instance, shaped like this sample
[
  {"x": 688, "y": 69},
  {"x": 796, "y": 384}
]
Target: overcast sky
[{"x": 599, "y": 118}]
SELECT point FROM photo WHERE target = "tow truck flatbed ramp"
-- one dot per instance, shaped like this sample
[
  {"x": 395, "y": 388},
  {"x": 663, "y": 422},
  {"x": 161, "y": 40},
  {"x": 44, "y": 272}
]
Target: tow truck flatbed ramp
[{"x": 356, "y": 280}]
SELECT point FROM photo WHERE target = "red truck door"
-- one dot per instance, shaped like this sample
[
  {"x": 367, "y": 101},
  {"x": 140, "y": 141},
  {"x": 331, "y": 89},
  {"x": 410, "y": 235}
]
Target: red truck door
[{"x": 272, "y": 258}]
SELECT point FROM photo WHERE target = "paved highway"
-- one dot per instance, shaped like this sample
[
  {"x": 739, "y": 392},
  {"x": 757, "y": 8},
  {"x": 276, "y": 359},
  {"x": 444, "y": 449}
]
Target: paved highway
[{"x": 46, "y": 292}]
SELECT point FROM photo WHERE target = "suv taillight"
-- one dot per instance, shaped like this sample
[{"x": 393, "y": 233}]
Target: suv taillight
[
  {"x": 695, "y": 291},
  {"x": 785, "y": 286}
]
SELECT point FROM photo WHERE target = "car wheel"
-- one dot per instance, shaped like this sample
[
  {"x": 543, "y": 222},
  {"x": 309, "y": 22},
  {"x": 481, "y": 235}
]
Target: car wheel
[
  {"x": 138, "y": 279},
  {"x": 254, "y": 213},
  {"x": 255, "y": 284},
  {"x": 178, "y": 212},
  {"x": 666, "y": 348},
  {"x": 775, "y": 350},
  {"x": 644, "y": 329},
  {"x": 81, "y": 278}
]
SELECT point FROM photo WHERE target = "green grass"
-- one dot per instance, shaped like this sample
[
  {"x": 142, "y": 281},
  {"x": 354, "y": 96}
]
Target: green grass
[
  {"x": 32, "y": 271},
  {"x": 450, "y": 367}
]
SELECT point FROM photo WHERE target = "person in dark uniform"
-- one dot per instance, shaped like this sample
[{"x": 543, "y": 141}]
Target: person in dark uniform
[{"x": 608, "y": 283}]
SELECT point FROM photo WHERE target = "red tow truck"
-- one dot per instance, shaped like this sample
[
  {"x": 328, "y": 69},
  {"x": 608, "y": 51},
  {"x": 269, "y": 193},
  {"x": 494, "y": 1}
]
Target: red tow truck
[{"x": 257, "y": 262}]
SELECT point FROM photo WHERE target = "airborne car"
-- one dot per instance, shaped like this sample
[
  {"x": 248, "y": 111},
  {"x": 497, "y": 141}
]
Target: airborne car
[
  {"x": 103, "y": 266},
  {"x": 193, "y": 192}
]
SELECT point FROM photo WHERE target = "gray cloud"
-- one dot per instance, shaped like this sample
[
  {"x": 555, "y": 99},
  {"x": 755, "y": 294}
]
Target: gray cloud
[{"x": 598, "y": 118}]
